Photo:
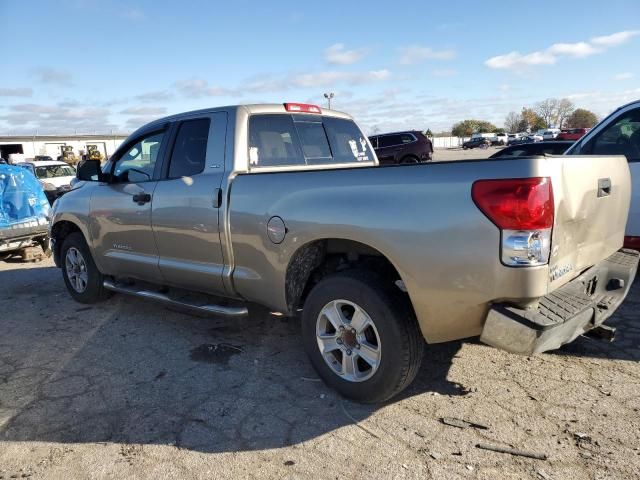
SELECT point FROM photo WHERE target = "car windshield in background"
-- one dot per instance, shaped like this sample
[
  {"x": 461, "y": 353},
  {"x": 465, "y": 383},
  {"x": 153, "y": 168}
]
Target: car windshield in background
[
  {"x": 53, "y": 171},
  {"x": 279, "y": 140}
]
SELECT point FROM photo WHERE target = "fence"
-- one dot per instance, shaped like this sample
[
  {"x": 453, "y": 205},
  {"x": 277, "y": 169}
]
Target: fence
[{"x": 448, "y": 142}]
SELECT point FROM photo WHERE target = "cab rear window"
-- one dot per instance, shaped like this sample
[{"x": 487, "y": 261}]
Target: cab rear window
[{"x": 284, "y": 140}]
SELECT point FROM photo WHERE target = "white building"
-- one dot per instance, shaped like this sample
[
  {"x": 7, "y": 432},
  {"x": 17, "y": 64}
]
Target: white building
[{"x": 29, "y": 146}]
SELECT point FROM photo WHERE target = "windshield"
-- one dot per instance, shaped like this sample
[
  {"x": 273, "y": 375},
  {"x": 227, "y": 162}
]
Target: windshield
[{"x": 53, "y": 171}]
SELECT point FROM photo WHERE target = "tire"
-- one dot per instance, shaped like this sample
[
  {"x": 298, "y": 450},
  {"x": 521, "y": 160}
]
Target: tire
[
  {"x": 394, "y": 335},
  {"x": 75, "y": 254},
  {"x": 409, "y": 159}
]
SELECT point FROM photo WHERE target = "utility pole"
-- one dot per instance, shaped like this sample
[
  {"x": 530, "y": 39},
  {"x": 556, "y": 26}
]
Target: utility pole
[{"x": 329, "y": 96}]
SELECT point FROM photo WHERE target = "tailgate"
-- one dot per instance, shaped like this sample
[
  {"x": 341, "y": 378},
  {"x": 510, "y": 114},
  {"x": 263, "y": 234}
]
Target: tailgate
[{"x": 591, "y": 195}]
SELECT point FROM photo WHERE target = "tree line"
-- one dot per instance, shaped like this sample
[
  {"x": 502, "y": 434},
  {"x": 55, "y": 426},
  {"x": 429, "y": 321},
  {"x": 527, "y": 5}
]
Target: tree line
[{"x": 552, "y": 112}]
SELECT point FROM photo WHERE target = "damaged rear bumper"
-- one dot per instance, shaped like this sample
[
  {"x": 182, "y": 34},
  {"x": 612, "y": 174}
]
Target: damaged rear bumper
[{"x": 565, "y": 313}]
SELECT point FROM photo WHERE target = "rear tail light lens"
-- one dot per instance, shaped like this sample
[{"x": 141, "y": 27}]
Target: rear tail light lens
[
  {"x": 302, "y": 107},
  {"x": 523, "y": 209}
]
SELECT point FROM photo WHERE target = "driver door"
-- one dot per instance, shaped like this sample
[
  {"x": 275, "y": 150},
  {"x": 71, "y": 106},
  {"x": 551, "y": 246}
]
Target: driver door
[{"x": 121, "y": 210}]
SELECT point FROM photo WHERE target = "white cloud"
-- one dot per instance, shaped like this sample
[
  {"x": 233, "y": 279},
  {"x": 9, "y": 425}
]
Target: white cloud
[
  {"x": 417, "y": 53},
  {"x": 579, "y": 49},
  {"x": 615, "y": 38},
  {"x": 517, "y": 61},
  {"x": 336, "y": 54},
  {"x": 329, "y": 78},
  {"x": 198, "y": 88},
  {"x": 144, "y": 111},
  {"x": 623, "y": 76},
  {"x": 16, "y": 92},
  {"x": 155, "y": 96}
]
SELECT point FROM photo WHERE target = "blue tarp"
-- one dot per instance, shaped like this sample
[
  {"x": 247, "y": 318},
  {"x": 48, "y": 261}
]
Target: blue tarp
[{"x": 22, "y": 200}]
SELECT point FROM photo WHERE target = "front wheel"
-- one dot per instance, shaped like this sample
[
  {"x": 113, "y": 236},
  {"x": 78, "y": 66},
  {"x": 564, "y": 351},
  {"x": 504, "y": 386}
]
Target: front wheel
[
  {"x": 361, "y": 336},
  {"x": 81, "y": 276}
]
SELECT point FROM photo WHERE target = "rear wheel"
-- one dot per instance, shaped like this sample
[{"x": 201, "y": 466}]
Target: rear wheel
[
  {"x": 409, "y": 159},
  {"x": 361, "y": 336},
  {"x": 81, "y": 276}
]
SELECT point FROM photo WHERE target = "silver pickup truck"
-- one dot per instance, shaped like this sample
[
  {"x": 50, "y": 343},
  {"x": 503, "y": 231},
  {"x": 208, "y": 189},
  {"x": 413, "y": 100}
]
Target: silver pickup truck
[{"x": 285, "y": 206}]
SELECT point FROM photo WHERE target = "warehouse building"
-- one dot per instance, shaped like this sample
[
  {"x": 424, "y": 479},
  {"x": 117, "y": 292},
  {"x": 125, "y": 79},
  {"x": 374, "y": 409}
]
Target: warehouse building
[{"x": 28, "y": 147}]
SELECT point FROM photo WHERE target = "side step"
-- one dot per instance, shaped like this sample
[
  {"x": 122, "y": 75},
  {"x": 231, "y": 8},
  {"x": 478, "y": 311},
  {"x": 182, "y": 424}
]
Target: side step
[{"x": 161, "y": 297}]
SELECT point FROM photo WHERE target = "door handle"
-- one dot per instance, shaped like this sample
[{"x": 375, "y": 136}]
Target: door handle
[
  {"x": 217, "y": 198},
  {"x": 604, "y": 187},
  {"x": 142, "y": 198}
]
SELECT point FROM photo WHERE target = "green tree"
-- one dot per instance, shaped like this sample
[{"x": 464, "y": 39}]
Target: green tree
[
  {"x": 466, "y": 128},
  {"x": 429, "y": 133},
  {"x": 581, "y": 118},
  {"x": 531, "y": 120},
  {"x": 499, "y": 130}
]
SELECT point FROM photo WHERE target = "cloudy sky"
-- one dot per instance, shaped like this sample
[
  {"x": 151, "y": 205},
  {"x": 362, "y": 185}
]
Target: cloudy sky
[{"x": 100, "y": 66}]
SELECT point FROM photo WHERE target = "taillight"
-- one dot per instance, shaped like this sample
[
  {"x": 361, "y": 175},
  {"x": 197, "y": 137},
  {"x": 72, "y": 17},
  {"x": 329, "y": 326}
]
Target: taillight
[
  {"x": 302, "y": 107},
  {"x": 523, "y": 209}
]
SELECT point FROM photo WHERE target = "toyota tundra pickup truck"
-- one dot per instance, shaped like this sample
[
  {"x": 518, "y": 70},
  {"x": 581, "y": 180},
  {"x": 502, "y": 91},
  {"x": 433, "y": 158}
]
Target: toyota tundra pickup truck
[{"x": 285, "y": 206}]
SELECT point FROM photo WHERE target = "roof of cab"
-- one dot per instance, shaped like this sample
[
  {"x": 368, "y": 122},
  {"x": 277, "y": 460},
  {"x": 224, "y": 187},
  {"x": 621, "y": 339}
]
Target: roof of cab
[{"x": 250, "y": 109}]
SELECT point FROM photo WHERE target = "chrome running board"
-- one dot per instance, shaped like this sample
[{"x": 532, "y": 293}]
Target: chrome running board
[{"x": 161, "y": 297}]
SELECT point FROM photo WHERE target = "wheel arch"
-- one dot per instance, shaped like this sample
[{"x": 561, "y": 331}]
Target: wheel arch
[
  {"x": 409, "y": 158},
  {"x": 318, "y": 258},
  {"x": 60, "y": 230}
]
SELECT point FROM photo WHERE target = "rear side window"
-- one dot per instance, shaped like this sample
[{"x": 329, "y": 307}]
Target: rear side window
[
  {"x": 389, "y": 140},
  {"x": 190, "y": 148},
  {"x": 407, "y": 138},
  {"x": 374, "y": 141},
  {"x": 284, "y": 140}
]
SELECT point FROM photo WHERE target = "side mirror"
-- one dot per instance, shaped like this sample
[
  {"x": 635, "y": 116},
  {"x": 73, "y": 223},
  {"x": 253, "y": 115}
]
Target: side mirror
[{"x": 89, "y": 171}]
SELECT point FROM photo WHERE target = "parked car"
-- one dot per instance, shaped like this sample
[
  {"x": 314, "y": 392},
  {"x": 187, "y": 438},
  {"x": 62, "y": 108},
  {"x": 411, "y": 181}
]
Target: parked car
[
  {"x": 550, "y": 133},
  {"x": 572, "y": 134},
  {"x": 511, "y": 137},
  {"x": 501, "y": 139},
  {"x": 534, "y": 148},
  {"x": 619, "y": 134},
  {"x": 284, "y": 206},
  {"x": 42, "y": 158},
  {"x": 478, "y": 142},
  {"x": 402, "y": 147},
  {"x": 55, "y": 177},
  {"x": 525, "y": 139},
  {"x": 24, "y": 212}
]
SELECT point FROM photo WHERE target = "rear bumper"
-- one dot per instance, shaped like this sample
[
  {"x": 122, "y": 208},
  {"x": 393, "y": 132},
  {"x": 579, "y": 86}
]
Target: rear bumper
[
  {"x": 565, "y": 313},
  {"x": 15, "y": 239}
]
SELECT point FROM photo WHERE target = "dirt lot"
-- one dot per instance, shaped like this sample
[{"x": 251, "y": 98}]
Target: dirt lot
[
  {"x": 445, "y": 154},
  {"x": 130, "y": 389}
]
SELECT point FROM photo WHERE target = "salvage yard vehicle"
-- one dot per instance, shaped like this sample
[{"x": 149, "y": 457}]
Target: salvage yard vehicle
[
  {"x": 55, "y": 177},
  {"x": 284, "y": 205},
  {"x": 67, "y": 155},
  {"x": 24, "y": 211},
  {"x": 619, "y": 134}
]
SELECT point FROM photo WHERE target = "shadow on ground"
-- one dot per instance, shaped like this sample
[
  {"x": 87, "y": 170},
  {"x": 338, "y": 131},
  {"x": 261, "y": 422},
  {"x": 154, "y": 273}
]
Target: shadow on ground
[
  {"x": 134, "y": 372},
  {"x": 129, "y": 371}
]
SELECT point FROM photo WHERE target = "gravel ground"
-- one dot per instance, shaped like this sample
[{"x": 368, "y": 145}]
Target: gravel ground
[
  {"x": 130, "y": 389},
  {"x": 446, "y": 154}
]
